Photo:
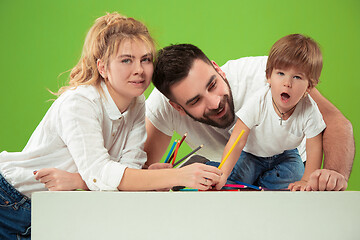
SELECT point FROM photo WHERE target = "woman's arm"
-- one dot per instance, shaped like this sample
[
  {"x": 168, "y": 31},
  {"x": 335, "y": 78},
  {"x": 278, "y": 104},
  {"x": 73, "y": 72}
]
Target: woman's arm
[{"x": 197, "y": 175}]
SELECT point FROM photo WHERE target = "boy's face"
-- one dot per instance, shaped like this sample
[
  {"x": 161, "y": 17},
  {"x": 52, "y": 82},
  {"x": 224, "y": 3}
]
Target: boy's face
[
  {"x": 204, "y": 95},
  {"x": 288, "y": 86}
]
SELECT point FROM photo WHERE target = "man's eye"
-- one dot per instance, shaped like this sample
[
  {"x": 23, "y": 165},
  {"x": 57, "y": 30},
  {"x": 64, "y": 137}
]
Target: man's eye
[
  {"x": 194, "y": 102},
  {"x": 212, "y": 85}
]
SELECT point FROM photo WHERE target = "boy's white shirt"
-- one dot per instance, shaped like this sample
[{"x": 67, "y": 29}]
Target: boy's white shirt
[
  {"x": 81, "y": 132},
  {"x": 267, "y": 136}
]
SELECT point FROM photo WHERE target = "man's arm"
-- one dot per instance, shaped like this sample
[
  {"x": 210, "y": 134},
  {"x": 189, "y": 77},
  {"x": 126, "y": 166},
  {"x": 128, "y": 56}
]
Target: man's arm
[
  {"x": 338, "y": 146},
  {"x": 156, "y": 143}
]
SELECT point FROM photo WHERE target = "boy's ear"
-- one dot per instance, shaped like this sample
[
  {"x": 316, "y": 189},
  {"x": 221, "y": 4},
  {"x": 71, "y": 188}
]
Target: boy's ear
[
  {"x": 101, "y": 68},
  {"x": 218, "y": 69},
  {"x": 178, "y": 108}
]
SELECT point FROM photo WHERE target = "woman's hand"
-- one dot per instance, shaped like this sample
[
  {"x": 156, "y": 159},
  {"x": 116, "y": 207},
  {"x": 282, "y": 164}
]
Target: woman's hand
[
  {"x": 200, "y": 176},
  {"x": 60, "y": 180}
]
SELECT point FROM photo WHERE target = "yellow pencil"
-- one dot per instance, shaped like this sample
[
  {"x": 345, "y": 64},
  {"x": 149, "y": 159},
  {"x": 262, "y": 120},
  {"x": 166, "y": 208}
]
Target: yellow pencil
[{"x": 231, "y": 149}]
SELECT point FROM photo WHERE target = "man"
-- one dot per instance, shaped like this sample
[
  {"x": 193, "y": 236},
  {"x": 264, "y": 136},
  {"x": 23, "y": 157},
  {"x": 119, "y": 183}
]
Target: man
[{"x": 201, "y": 99}]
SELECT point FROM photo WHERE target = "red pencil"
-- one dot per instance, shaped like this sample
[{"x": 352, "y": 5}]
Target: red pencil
[{"x": 183, "y": 138}]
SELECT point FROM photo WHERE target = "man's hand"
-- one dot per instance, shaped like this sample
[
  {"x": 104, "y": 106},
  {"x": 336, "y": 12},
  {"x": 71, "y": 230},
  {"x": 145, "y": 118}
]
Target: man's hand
[{"x": 326, "y": 180}]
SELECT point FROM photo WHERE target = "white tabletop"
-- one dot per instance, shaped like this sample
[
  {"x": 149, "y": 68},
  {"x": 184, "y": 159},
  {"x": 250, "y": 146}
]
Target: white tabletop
[{"x": 195, "y": 215}]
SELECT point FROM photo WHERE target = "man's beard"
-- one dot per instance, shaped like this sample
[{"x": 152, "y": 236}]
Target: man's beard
[{"x": 223, "y": 122}]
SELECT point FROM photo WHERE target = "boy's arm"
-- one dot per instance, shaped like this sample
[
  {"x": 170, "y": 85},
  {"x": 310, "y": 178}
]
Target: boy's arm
[
  {"x": 314, "y": 155},
  {"x": 338, "y": 146},
  {"x": 235, "y": 154}
]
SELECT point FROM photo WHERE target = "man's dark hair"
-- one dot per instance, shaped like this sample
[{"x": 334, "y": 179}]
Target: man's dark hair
[{"x": 173, "y": 64}]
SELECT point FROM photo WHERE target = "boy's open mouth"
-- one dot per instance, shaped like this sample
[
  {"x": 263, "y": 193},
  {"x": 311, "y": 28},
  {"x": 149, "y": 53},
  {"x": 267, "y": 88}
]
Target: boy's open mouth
[{"x": 285, "y": 97}]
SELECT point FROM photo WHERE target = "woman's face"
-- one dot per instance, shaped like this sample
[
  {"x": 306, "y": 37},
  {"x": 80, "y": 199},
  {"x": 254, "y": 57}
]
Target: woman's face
[{"x": 129, "y": 72}]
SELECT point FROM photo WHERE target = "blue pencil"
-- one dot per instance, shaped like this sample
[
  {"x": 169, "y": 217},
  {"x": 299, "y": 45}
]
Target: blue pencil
[
  {"x": 171, "y": 149},
  {"x": 248, "y": 185}
]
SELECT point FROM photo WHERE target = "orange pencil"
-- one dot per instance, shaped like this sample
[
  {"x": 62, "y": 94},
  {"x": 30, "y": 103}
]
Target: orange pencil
[{"x": 175, "y": 152}]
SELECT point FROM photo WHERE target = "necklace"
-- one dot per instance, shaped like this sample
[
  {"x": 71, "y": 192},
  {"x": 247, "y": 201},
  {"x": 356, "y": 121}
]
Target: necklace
[{"x": 282, "y": 113}]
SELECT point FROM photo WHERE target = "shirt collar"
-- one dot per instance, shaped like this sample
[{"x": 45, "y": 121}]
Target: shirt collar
[{"x": 109, "y": 104}]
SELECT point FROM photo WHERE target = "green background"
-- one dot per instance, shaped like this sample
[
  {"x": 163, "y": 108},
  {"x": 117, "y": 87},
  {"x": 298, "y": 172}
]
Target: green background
[{"x": 42, "y": 39}]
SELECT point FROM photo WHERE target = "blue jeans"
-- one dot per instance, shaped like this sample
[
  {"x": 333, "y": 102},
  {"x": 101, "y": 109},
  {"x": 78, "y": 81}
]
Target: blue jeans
[
  {"x": 15, "y": 213},
  {"x": 275, "y": 172}
]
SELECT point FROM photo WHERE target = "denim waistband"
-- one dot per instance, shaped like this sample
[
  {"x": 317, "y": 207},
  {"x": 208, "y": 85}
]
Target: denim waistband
[{"x": 9, "y": 190}]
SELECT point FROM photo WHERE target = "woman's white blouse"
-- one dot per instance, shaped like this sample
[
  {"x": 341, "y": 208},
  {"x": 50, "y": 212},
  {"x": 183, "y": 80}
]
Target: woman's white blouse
[{"x": 83, "y": 131}]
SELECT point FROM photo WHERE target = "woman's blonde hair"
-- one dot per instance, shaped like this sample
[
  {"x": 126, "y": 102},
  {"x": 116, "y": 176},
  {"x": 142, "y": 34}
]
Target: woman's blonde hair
[
  {"x": 101, "y": 43},
  {"x": 299, "y": 51}
]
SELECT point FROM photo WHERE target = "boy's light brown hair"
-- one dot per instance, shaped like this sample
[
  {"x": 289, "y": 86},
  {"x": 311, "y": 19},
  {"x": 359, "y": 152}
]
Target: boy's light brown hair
[{"x": 299, "y": 52}]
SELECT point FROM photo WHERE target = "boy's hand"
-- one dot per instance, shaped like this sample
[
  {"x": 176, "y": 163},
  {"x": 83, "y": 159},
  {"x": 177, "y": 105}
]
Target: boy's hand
[
  {"x": 222, "y": 182},
  {"x": 298, "y": 186},
  {"x": 60, "y": 180}
]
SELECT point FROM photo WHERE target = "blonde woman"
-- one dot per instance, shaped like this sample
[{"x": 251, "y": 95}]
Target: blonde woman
[{"x": 94, "y": 130}]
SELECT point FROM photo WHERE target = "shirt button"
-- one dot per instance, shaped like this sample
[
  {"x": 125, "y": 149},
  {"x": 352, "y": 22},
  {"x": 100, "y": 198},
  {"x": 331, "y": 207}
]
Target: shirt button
[
  {"x": 113, "y": 134},
  {"x": 94, "y": 180}
]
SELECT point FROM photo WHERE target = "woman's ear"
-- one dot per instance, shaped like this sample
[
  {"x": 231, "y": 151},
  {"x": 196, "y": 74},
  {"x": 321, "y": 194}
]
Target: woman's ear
[{"x": 101, "y": 68}]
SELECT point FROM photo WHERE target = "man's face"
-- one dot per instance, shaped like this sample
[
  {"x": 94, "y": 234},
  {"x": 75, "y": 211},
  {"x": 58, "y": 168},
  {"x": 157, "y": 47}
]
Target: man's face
[{"x": 205, "y": 95}]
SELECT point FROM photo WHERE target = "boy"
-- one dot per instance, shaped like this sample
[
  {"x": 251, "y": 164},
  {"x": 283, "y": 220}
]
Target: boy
[{"x": 276, "y": 120}]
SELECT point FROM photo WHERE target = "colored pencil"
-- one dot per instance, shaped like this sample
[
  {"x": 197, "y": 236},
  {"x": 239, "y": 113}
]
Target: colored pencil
[
  {"x": 175, "y": 152},
  {"x": 183, "y": 138},
  {"x": 189, "y": 190},
  {"x": 170, "y": 152},
  {"x": 235, "y": 185},
  {"x": 188, "y": 155},
  {"x": 231, "y": 149},
  {"x": 249, "y": 185}
]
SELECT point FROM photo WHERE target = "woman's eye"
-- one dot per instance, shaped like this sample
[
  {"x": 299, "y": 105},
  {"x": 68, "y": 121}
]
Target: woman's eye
[
  {"x": 126, "y": 60},
  {"x": 146, "y": 60}
]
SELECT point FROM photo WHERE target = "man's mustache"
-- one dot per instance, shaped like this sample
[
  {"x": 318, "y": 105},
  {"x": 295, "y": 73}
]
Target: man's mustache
[{"x": 216, "y": 111}]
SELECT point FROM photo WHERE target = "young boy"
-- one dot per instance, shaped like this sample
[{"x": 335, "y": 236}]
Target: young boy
[{"x": 277, "y": 119}]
